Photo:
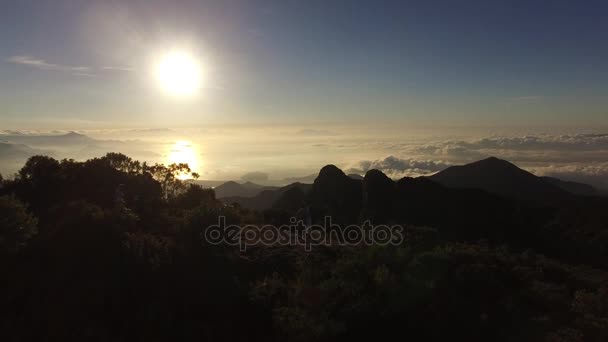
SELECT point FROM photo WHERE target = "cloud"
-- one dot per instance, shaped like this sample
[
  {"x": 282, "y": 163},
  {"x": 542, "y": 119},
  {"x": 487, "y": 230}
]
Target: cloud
[
  {"x": 151, "y": 130},
  {"x": 577, "y": 157},
  {"x": 593, "y": 173},
  {"x": 42, "y": 64},
  {"x": 255, "y": 176},
  {"x": 83, "y": 74},
  {"x": 115, "y": 68},
  {"x": 315, "y": 132},
  {"x": 76, "y": 70},
  {"x": 395, "y": 167},
  {"x": 540, "y": 148}
]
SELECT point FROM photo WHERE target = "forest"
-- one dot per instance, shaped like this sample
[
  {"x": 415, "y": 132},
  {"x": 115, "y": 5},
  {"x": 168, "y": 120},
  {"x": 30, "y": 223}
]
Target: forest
[{"x": 111, "y": 249}]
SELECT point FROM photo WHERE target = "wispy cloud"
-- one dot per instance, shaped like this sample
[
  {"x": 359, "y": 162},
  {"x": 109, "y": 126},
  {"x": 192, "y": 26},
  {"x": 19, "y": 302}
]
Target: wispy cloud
[
  {"x": 76, "y": 70},
  {"x": 314, "y": 132},
  {"x": 115, "y": 68},
  {"x": 84, "y": 74},
  {"x": 396, "y": 167},
  {"x": 42, "y": 64}
]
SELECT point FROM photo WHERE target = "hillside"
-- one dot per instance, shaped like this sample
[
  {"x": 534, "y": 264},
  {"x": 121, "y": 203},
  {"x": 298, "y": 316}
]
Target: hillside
[{"x": 500, "y": 177}]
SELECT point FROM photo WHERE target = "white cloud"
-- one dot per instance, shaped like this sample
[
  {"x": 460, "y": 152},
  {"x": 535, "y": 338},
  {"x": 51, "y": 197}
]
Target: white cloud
[
  {"x": 395, "y": 167},
  {"x": 42, "y": 64},
  {"x": 76, "y": 70},
  {"x": 590, "y": 173},
  {"x": 314, "y": 132},
  {"x": 84, "y": 74},
  {"x": 115, "y": 68},
  {"x": 541, "y": 148}
]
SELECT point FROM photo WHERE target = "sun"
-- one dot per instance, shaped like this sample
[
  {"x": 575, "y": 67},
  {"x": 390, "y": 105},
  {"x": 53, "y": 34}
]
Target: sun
[{"x": 179, "y": 73}]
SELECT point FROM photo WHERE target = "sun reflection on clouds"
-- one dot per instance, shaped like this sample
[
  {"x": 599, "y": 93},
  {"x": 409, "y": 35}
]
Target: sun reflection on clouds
[{"x": 183, "y": 151}]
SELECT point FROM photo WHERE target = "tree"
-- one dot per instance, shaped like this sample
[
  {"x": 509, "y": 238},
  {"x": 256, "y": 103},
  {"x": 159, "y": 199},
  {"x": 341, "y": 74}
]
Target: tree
[
  {"x": 194, "y": 195},
  {"x": 17, "y": 225}
]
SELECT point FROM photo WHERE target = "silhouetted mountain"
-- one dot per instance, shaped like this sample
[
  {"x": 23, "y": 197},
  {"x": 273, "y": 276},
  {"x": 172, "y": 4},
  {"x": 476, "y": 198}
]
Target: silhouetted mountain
[
  {"x": 334, "y": 193},
  {"x": 462, "y": 213},
  {"x": 76, "y": 236},
  {"x": 247, "y": 189},
  {"x": 13, "y": 155},
  {"x": 579, "y": 189},
  {"x": 292, "y": 196},
  {"x": 378, "y": 196},
  {"x": 208, "y": 183},
  {"x": 288, "y": 197},
  {"x": 12, "y": 151},
  {"x": 71, "y": 138},
  {"x": 305, "y": 179},
  {"x": 500, "y": 177}
]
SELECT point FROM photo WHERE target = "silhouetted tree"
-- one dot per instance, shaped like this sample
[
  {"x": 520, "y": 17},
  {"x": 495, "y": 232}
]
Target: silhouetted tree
[{"x": 17, "y": 225}]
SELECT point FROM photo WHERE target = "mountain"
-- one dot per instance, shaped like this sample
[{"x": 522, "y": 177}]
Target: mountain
[
  {"x": 309, "y": 179},
  {"x": 69, "y": 139},
  {"x": 247, "y": 189},
  {"x": 12, "y": 151},
  {"x": 500, "y": 177},
  {"x": 579, "y": 189},
  {"x": 14, "y": 155},
  {"x": 289, "y": 197},
  {"x": 378, "y": 196},
  {"x": 336, "y": 194},
  {"x": 475, "y": 210}
]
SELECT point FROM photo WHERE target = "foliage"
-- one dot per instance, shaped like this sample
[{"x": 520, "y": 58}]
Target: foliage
[
  {"x": 17, "y": 225},
  {"x": 119, "y": 256}
]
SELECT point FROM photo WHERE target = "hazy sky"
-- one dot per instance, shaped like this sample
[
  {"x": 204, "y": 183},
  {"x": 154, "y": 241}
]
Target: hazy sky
[
  {"x": 407, "y": 87},
  {"x": 86, "y": 64}
]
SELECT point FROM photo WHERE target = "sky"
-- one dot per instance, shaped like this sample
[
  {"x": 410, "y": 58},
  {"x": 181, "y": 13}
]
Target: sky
[
  {"x": 86, "y": 63},
  {"x": 288, "y": 86}
]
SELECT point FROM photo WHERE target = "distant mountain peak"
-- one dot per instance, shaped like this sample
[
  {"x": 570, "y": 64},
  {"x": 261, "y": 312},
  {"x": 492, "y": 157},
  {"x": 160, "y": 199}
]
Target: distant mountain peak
[
  {"x": 331, "y": 171},
  {"x": 73, "y": 134},
  {"x": 374, "y": 173},
  {"x": 495, "y": 162},
  {"x": 230, "y": 183},
  {"x": 500, "y": 177},
  {"x": 493, "y": 159},
  {"x": 247, "y": 189}
]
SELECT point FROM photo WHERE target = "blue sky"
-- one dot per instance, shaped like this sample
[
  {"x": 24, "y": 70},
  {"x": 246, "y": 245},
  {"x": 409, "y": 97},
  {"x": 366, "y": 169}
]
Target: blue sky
[{"x": 78, "y": 63}]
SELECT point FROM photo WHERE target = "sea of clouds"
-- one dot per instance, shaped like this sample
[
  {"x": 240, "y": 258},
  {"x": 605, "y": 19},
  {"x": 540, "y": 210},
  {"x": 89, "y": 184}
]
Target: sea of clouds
[{"x": 281, "y": 154}]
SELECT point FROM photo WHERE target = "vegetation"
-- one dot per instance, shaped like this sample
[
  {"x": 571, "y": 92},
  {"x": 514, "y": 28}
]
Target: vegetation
[{"x": 110, "y": 249}]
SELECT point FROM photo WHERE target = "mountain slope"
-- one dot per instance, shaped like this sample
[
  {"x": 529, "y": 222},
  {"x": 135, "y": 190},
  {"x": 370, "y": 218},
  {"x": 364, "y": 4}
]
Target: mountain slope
[
  {"x": 579, "y": 189},
  {"x": 67, "y": 139},
  {"x": 500, "y": 177},
  {"x": 288, "y": 197},
  {"x": 247, "y": 189}
]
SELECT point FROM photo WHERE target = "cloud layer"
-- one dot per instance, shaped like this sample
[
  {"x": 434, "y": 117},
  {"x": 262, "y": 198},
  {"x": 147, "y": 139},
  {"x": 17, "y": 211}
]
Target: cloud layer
[
  {"x": 230, "y": 154},
  {"x": 395, "y": 167}
]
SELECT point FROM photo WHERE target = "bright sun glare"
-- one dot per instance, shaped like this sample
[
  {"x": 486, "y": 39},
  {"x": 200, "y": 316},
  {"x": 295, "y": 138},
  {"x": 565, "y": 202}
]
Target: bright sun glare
[
  {"x": 179, "y": 73},
  {"x": 184, "y": 152}
]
